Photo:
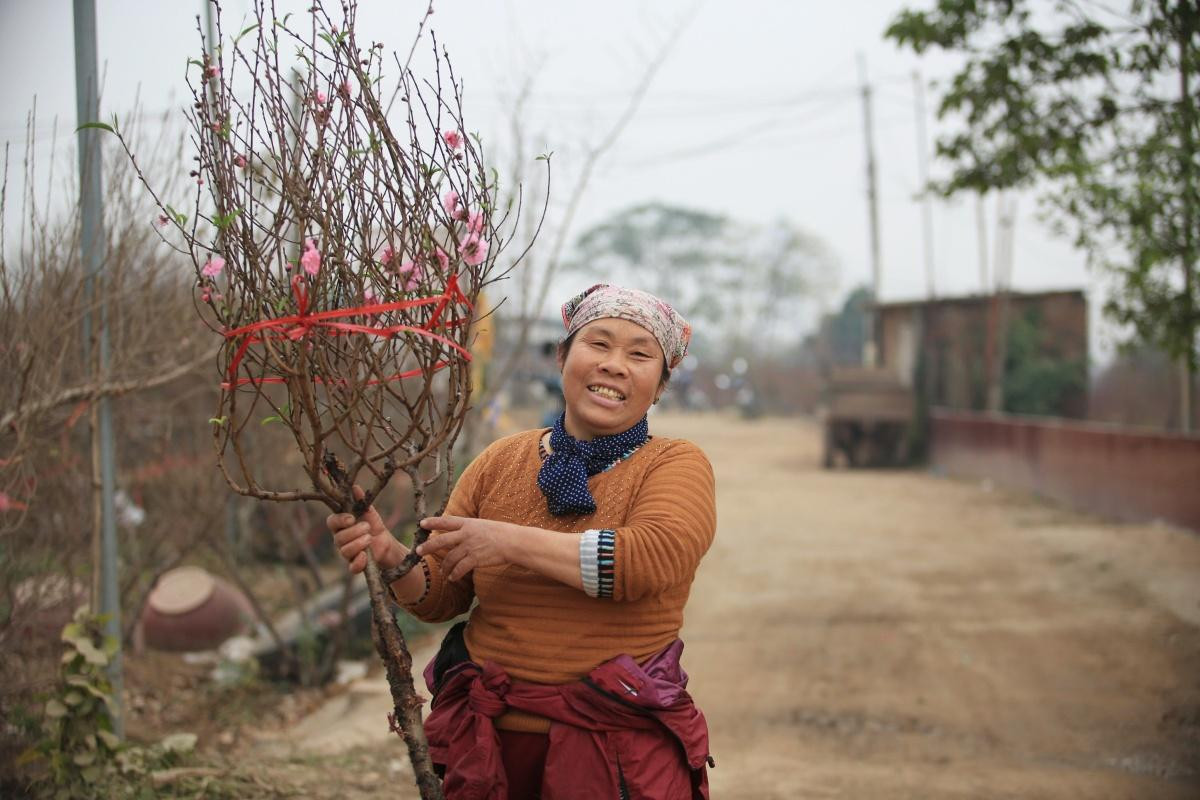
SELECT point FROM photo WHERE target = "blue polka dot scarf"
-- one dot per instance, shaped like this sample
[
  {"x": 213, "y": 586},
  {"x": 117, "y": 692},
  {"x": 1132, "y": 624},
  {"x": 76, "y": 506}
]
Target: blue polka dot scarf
[{"x": 564, "y": 474}]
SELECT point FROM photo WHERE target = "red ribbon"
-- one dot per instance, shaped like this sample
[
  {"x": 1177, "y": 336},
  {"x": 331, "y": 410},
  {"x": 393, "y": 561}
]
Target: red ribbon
[{"x": 298, "y": 325}]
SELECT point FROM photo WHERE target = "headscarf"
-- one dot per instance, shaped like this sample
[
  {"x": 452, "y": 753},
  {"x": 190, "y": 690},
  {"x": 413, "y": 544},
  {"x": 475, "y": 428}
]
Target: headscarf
[{"x": 603, "y": 300}]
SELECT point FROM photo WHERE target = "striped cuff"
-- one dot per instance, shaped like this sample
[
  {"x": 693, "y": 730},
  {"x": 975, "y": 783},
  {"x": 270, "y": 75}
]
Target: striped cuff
[
  {"x": 606, "y": 559},
  {"x": 588, "y": 564}
]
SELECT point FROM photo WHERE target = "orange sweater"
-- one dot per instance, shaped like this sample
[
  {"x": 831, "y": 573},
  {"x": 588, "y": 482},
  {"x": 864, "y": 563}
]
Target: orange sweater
[{"x": 660, "y": 501}]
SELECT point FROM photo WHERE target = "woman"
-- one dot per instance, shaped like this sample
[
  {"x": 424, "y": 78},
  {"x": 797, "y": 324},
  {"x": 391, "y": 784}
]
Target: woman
[{"x": 578, "y": 546}]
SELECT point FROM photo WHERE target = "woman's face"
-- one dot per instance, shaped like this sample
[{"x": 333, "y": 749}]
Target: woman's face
[{"x": 611, "y": 376}]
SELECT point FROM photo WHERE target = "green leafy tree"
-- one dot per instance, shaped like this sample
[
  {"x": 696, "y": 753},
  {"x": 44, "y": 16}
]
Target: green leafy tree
[
  {"x": 843, "y": 332},
  {"x": 1099, "y": 106},
  {"x": 1037, "y": 378}
]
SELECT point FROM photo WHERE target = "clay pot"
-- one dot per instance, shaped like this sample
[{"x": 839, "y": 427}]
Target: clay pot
[{"x": 191, "y": 609}]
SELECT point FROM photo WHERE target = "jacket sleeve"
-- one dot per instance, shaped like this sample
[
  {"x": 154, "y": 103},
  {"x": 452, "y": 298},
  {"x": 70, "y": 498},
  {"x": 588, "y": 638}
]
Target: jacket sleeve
[
  {"x": 671, "y": 525},
  {"x": 447, "y": 599}
]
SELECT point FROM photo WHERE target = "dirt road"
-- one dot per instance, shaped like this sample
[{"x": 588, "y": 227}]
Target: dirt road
[
  {"x": 901, "y": 635},
  {"x": 894, "y": 634}
]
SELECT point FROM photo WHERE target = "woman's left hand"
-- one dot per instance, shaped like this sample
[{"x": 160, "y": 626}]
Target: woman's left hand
[{"x": 466, "y": 544}]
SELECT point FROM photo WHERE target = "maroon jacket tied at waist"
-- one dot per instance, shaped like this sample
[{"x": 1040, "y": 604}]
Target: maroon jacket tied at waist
[{"x": 623, "y": 722}]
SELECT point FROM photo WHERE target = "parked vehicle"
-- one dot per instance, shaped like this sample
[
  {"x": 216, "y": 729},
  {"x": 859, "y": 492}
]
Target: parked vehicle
[{"x": 868, "y": 413}]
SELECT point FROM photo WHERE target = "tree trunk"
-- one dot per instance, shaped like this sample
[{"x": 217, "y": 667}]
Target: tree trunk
[{"x": 397, "y": 661}]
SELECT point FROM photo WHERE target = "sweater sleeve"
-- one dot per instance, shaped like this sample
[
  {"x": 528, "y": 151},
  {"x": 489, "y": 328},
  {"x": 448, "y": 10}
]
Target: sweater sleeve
[
  {"x": 447, "y": 599},
  {"x": 670, "y": 526}
]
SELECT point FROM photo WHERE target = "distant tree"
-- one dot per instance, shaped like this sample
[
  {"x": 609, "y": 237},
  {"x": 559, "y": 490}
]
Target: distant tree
[
  {"x": 1100, "y": 106},
  {"x": 1038, "y": 379},
  {"x": 742, "y": 281},
  {"x": 843, "y": 332}
]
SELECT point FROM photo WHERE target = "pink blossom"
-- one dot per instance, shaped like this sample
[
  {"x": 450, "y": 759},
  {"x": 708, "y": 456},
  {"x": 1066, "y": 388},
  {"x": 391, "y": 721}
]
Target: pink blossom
[
  {"x": 206, "y": 295},
  {"x": 442, "y": 259},
  {"x": 163, "y": 220},
  {"x": 346, "y": 89},
  {"x": 454, "y": 206},
  {"x": 311, "y": 260},
  {"x": 453, "y": 139},
  {"x": 212, "y": 268},
  {"x": 215, "y": 126},
  {"x": 321, "y": 98},
  {"x": 475, "y": 222},
  {"x": 473, "y": 250},
  {"x": 239, "y": 161},
  {"x": 388, "y": 254},
  {"x": 10, "y": 504},
  {"x": 212, "y": 71},
  {"x": 413, "y": 271}
]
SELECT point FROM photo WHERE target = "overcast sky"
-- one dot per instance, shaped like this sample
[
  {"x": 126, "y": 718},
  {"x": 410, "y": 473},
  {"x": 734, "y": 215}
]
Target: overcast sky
[{"x": 756, "y": 112}]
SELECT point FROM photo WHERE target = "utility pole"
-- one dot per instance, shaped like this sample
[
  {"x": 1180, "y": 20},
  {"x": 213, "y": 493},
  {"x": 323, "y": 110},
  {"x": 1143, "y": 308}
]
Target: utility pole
[
  {"x": 923, "y": 176},
  {"x": 1187, "y": 371},
  {"x": 92, "y": 245},
  {"x": 232, "y": 534},
  {"x": 869, "y": 349},
  {"x": 1006, "y": 212},
  {"x": 985, "y": 286}
]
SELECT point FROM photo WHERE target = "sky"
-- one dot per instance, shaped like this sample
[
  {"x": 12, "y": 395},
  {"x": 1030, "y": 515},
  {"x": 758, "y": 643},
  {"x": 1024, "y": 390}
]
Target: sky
[{"x": 756, "y": 113}]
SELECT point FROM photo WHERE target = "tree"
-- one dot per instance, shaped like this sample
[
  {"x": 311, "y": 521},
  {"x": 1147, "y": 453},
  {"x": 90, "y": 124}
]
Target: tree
[
  {"x": 740, "y": 280},
  {"x": 1038, "y": 379},
  {"x": 842, "y": 333},
  {"x": 1098, "y": 107},
  {"x": 340, "y": 255}
]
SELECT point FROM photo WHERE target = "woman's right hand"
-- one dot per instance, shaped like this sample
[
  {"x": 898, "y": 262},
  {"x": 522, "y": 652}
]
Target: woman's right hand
[{"x": 351, "y": 536}]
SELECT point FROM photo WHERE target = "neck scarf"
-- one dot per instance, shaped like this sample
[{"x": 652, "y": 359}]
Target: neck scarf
[{"x": 564, "y": 473}]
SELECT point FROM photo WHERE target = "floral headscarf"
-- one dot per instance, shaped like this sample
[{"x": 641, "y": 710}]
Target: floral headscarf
[{"x": 605, "y": 300}]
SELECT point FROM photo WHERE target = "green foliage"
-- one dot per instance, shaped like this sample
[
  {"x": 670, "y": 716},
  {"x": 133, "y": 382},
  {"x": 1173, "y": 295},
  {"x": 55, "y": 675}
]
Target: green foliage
[
  {"x": 81, "y": 755},
  {"x": 844, "y": 331},
  {"x": 97, "y": 125},
  {"x": 223, "y": 221},
  {"x": 1037, "y": 380},
  {"x": 1098, "y": 105}
]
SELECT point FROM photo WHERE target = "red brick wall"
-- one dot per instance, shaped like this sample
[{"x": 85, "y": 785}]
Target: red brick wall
[{"x": 1118, "y": 472}]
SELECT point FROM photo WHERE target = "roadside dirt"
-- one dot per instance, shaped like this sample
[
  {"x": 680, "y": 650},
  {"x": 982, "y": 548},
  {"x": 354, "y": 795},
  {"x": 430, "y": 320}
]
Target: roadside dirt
[{"x": 888, "y": 634}]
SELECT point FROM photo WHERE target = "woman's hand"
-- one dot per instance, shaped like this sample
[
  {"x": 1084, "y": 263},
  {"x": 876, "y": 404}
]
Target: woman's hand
[
  {"x": 353, "y": 535},
  {"x": 465, "y": 544}
]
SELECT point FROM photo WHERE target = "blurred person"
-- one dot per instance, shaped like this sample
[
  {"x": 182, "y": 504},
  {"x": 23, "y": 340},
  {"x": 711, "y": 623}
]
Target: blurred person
[
  {"x": 574, "y": 549},
  {"x": 551, "y": 383}
]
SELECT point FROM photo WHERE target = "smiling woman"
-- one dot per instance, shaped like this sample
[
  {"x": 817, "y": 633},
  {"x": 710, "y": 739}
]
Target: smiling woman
[
  {"x": 611, "y": 377},
  {"x": 574, "y": 550}
]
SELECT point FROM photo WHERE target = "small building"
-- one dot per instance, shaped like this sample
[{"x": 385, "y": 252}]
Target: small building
[{"x": 946, "y": 349}]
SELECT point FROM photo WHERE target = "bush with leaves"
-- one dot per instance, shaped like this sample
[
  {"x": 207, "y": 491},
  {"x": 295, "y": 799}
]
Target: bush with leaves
[{"x": 80, "y": 753}]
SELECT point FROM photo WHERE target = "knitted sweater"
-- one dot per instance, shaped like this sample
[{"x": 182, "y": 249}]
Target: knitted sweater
[{"x": 660, "y": 501}]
